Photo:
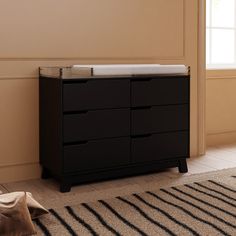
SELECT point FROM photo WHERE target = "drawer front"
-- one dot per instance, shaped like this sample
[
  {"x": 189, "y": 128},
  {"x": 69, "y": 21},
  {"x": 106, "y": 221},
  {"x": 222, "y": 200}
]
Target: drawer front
[
  {"x": 159, "y": 91},
  {"x": 97, "y": 154},
  {"x": 96, "y": 124},
  {"x": 96, "y": 94},
  {"x": 160, "y": 146},
  {"x": 159, "y": 119}
]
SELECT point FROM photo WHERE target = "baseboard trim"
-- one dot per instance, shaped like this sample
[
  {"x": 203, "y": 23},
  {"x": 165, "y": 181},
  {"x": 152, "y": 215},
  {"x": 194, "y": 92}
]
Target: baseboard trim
[
  {"x": 19, "y": 172},
  {"x": 221, "y": 138}
]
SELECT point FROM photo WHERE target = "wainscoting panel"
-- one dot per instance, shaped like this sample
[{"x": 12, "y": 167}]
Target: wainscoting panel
[
  {"x": 88, "y": 28},
  {"x": 66, "y": 32},
  {"x": 19, "y": 122},
  {"x": 221, "y": 107}
]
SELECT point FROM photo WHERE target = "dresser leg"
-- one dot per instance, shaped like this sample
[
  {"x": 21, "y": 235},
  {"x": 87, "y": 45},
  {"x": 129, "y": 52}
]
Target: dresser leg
[
  {"x": 183, "y": 168},
  {"x": 45, "y": 173},
  {"x": 65, "y": 187}
]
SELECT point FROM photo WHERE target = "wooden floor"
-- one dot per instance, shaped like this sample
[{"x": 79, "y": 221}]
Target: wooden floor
[{"x": 46, "y": 191}]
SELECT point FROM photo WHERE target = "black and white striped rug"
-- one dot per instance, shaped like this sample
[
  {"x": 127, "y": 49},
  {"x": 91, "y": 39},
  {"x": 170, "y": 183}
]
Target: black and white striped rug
[{"x": 204, "y": 208}]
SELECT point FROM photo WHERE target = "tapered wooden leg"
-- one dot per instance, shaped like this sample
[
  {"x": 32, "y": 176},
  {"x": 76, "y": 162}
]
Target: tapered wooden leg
[
  {"x": 183, "y": 168},
  {"x": 65, "y": 187},
  {"x": 45, "y": 173}
]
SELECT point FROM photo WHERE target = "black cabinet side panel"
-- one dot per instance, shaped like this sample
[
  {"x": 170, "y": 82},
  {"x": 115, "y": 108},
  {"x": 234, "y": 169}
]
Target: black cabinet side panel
[{"x": 50, "y": 124}]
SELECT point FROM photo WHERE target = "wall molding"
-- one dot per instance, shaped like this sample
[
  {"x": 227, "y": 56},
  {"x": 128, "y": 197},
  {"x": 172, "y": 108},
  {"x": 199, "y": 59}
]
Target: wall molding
[
  {"x": 18, "y": 77},
  {"x": 184, "y": 30},
  {"x": 201, "y": 82},
  {"x": 221, "y": 138},
  {"x": 44, "y": 52},
  {"x": 19, "y": 173},
  {"x": 19, "y": 164},
  {"x": 220, "y": 77},
  {"x": 25, "y": 68},
  {"x": 90, "y": 58},
  {"x": 222, "y": 132}
]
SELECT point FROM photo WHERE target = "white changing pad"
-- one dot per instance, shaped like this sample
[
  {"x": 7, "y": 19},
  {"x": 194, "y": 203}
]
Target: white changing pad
[{"x": 133, "y": 69}]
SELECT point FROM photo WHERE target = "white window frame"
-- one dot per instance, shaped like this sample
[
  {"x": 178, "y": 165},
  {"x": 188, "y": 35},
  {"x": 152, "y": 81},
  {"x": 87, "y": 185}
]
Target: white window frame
[{"x": 210, "y": 27}]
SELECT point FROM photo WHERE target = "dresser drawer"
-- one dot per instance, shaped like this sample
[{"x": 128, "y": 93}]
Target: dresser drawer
[
  {"x": 96, "y": 124},
  {"x": 96, "y": 94},
  {"x": 97, "y": 154},
  {"x": 159, "y": 91},
  {"x": 160, "y": 146},
  {"x": 159, "y": 119}
]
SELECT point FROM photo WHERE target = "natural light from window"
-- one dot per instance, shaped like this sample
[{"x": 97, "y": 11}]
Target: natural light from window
[{"x": 221, "y": 34}]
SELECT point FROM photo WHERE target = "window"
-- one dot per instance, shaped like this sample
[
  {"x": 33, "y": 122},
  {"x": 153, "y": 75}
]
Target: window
[{"x": 221, "y": 33}]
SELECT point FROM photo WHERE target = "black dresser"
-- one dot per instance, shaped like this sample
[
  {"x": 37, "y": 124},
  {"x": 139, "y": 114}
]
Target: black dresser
[{"x": 100, "y": 127}]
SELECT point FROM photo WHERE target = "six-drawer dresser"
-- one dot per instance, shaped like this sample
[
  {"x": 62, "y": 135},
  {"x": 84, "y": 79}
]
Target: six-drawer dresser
[{"x": 100, "y": 127}]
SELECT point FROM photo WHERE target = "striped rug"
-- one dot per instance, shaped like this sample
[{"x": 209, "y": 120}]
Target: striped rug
[{"x": 204, "y": 208}]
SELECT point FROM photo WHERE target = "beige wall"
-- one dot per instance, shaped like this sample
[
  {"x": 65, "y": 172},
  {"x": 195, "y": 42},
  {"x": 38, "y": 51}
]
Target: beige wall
[
  {"x": 65, "y": 32},
  {"x": 221, "y": 107}
]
